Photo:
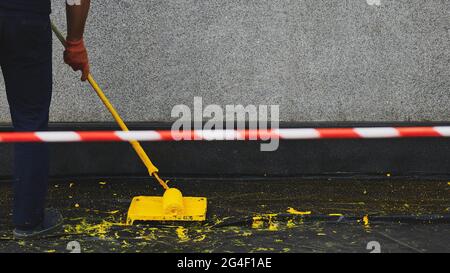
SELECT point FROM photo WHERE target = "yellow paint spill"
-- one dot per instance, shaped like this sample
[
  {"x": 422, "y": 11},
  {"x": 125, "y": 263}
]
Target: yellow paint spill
[
  {"x": 290, "y": 223},
  {"x": 182, "y": 234},
  {"x": 50, "y": 251},
  {"x": 257, "y": 222},
  {"x": 366, "y": 221},
  {"x": 200, "y": 239},
  {"x": 102, "y": 183},
  {"x": 94, "y": 230},
  {"x": 296, "y": 212},
  {"x": 247, "y": 233},
  {"x": 273, "y": 226}
]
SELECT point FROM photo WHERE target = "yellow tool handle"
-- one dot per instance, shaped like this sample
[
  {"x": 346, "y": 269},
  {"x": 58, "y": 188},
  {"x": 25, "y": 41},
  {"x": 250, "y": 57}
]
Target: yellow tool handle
[
  {"x": 136, "y": 145},
  {"x": 153, "y": 171}
]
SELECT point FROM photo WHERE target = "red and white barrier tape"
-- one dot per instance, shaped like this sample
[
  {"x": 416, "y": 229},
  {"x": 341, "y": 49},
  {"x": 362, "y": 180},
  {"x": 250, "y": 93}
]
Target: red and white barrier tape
[{"x": 214, "y": 135}]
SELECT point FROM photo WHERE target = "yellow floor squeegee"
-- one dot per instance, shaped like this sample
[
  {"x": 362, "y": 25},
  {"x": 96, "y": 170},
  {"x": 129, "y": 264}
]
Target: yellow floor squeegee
[{"x": 172, "y": 206}]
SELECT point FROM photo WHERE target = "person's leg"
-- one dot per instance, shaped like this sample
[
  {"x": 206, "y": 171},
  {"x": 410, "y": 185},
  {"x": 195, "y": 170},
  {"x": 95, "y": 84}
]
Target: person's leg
[{"x": 27, "y": 70}]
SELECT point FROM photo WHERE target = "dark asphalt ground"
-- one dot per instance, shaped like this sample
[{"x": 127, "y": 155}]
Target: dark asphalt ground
[{"x": 95, "y": 210}]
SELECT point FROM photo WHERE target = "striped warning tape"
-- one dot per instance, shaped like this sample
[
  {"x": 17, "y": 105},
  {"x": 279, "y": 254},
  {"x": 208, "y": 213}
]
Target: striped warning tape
[{"x": 213, "y": 135}]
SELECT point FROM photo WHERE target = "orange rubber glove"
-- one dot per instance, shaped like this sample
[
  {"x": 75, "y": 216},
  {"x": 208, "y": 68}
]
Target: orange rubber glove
[{"x": 76, "y": 57}]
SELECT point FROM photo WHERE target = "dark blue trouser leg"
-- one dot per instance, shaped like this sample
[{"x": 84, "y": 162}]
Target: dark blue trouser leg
[{"x": 26, "y": 50}]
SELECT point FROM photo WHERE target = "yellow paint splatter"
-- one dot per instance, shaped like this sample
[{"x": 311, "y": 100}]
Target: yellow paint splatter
[
  {"x": 50, "y": 251},
  {"x": 336, "y": 214},
  {"x": 94, "y": 230},
  {"x": 201, "y": 238},
  {"x": 264, "y": 249},
  {"x": 273, "y": 226},
  {"x": 290, "y": 223},
  {"x": 182, "y": 234},
  {"x": 257, "y": 222},
  {"x": 102, "y": 183},
  {"x": 296, "y": 212},
  {"x": 366, "y": 221}
]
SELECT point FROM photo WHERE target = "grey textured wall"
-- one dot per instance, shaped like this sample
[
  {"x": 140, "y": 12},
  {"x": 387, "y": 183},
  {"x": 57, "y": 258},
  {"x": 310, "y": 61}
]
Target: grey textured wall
[{"x": 320, "y": 60}]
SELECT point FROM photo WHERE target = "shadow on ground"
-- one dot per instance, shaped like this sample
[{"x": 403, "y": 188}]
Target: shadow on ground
[{"x": 290, "y": 215}]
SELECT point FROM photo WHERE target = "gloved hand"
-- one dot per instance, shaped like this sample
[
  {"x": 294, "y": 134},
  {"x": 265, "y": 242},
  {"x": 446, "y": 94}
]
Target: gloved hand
[{"x": 76, "y": 57}]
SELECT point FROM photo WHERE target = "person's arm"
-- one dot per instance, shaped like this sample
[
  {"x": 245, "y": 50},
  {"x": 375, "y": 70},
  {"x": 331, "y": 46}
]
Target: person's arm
[{"x": 75, "y": 54}]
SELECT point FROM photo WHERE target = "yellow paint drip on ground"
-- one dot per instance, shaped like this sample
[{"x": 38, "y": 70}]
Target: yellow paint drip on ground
[
  {"x": 290, "y": 223},
  {"x": 264, "y": 249},
  {"x": 366, "y": 221},
  {"x": 200, "y": 239},
  {"x": 336, "y": 214},
  {"x": 182, "y": 234},
  {"x": 257, "y": 222},
  {"x": 95, "y": 230},
  {"x": 296, "y": 212},
  {"x": 273, "y": 226}
]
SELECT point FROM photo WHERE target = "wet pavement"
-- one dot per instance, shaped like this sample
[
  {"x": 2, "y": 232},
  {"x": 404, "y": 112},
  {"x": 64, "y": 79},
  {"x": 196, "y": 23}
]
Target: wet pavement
[{"x": 249, "y": 215}]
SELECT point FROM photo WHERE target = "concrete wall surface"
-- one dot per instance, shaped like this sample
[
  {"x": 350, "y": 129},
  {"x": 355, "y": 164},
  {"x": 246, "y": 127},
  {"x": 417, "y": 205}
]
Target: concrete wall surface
[{"x": 320, "y": 60}]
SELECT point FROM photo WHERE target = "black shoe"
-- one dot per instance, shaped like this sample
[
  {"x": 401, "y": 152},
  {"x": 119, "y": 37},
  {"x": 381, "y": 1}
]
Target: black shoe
[{"x": 52, "y": 220}]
